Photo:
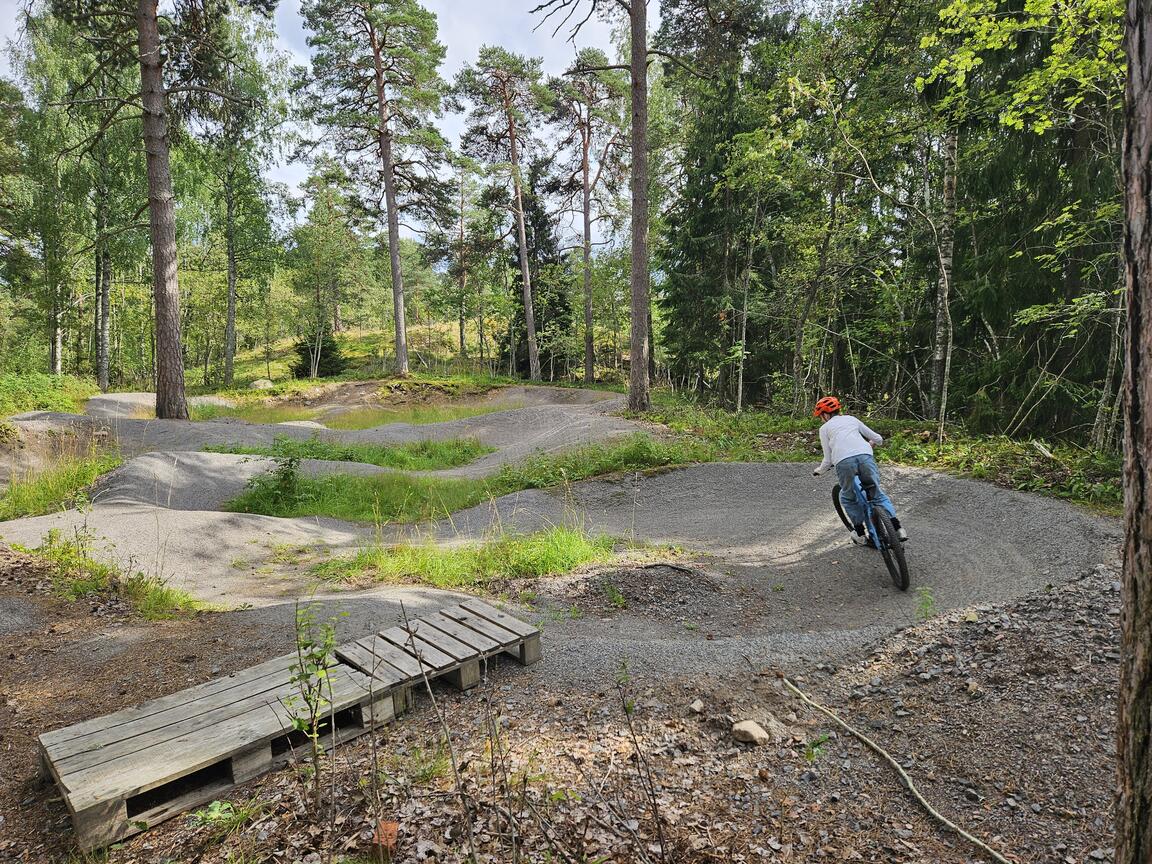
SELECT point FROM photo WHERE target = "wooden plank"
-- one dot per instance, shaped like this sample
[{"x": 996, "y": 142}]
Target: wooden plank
[
  {"x": 504, "y": 638},
  {"x": 400, "y": 659},
  {"x": 154, "y": 706},
  {"x": 281, "y": 693},
  {"x": 508, "y": 622},
  {"x": 431, "y": 639},
  {"x": 186, "y": 716},
  {"x": 479, "y": 641},
  {"x": 137, "y": 772},
  {"x": 360, "y": 658}
]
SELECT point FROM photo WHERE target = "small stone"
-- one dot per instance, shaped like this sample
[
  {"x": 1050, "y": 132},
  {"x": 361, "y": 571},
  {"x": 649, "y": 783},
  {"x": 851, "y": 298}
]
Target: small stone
[
  {"x": 697, "y": 706},
  {"x": 1098, "y": 855},
  {"x": 750, "y": 732},
  {"x": 1036, "y": 808}
]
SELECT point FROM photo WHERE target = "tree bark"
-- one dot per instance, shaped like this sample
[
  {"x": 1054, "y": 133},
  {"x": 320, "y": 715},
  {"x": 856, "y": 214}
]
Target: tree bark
[
  {"x": 522, "y": 240},
  {"x": 639, "y": 397},
  {"x": 230, "y": 244},
  {"x": 384, "y": 138},
  {"x": 1134, "y": 717},
  {"x": 585, "y": 169},
  {"x": 170, "y": 401},
  {"x": 942, "y": 341}
]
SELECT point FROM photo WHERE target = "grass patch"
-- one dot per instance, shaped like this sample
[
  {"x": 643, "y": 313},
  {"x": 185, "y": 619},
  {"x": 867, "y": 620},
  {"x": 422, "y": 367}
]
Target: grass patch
[
  {"x": 417, "y": 415},
  {"x": 76, "y": 575},
  {"x": 262, "y": 412},
  {"x": 55, "y": 488},
  {"x": 267, "y": 413},
  {"x": 40, "y": 392},
  {"x": 403, "y": 498},
  {"x": 417, "y": 767},
  {"x": 413, "y": 456},
  {"x": 554, "y": 551}
]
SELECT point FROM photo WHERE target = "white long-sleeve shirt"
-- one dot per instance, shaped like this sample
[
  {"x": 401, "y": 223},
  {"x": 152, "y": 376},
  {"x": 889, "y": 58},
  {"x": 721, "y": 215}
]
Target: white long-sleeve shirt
[{"x": 845, "y": 436}]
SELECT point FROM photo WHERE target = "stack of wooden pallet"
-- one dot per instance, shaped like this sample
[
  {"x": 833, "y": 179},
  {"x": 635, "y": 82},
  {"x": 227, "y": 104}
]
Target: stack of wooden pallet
[{"x": 122, "y": 773}]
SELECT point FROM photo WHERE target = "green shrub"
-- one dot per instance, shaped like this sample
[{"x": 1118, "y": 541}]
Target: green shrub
[
  {"x": 33, "y": 391},
  {"x": 331, "y": 360}
]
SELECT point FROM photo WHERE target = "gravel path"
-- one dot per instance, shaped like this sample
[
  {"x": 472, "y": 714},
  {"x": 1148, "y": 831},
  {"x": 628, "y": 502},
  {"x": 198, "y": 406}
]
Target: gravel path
[{"x": 778, "y": 579}]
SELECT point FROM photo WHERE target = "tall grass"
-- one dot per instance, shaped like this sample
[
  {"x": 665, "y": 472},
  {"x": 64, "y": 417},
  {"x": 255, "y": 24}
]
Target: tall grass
[
  {"x": 411, "y": 456},
  {"x": 403, "y": 498},
  {"x": 55, "y": 488},
  {"x": 554, "y": 551},
  {"x": 76, "y": 575},
  {"x": 34, "y": 391}
]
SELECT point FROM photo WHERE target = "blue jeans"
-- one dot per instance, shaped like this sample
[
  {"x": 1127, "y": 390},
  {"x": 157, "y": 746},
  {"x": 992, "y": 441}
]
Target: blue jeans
[{"x": 864, "y": 467}]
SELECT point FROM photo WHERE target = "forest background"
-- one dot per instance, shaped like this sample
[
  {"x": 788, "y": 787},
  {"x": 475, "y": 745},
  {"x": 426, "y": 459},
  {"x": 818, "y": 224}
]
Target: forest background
[{"x": 915, "y": 206}]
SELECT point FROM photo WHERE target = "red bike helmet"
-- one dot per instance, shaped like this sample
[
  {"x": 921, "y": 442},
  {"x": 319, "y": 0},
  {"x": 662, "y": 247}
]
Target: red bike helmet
[{"x": 827, "y": 405}]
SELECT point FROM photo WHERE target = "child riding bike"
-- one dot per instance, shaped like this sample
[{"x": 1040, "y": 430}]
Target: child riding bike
[{"x": 847, "y": 444}]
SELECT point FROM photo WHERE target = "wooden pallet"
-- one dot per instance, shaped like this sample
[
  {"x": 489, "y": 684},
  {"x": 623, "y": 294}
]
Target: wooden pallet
[
  {"x": 127, "y": 771},
  {"x": 449, "y": 644}
]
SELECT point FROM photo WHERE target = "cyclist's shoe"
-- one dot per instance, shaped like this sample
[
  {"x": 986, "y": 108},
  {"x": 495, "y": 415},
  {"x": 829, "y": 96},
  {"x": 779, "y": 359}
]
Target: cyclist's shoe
[
  {"x": 860, "y": 536},
  {"x": 901, "y": 534}
]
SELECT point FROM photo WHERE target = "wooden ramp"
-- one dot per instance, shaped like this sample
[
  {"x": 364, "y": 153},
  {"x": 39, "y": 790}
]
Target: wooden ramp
[{"x": 125, "y": 772}]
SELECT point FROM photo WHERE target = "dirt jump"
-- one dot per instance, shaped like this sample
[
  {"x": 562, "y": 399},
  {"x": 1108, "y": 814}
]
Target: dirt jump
[{"x": 765, "y": 572}]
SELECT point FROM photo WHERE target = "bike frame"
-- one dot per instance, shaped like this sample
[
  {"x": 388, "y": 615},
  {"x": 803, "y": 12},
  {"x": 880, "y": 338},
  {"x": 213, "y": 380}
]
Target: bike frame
[{"x": 873, "y": 534}]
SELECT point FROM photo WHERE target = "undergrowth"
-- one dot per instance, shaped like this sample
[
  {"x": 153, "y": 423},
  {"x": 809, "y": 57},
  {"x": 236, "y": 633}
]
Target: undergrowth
[
  {"x": 1066, "y": 471},
  {"x": 33, "y": 391},
  {"x": 55, "y": 488},
  {"x": 76, "y": 575},
  {"x": 553, "y": 551},
  {"x": 411, "y": 456},
  {"x": 403, "y": 498}
]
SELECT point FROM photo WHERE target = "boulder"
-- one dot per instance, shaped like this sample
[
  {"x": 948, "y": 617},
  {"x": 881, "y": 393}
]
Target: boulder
[{"x": 261, "y": 384}]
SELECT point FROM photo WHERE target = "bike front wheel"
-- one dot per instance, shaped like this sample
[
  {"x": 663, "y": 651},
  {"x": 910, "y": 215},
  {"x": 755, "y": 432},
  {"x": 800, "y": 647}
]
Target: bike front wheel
[{"x": 891, "y": 548}]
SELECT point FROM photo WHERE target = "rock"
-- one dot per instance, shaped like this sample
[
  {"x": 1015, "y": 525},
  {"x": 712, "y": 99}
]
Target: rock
[
  {"x": 261, "y": 384},
  {"x": 750, "y": 732},
  {"x": 697, "y": 707}
]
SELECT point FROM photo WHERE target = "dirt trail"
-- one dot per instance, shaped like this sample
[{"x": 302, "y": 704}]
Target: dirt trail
[{"x": 777, "y": 578}]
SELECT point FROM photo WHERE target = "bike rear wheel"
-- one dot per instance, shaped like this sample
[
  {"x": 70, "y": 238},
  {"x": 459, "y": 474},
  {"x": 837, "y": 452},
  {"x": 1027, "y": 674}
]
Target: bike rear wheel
[
  {"x": 891, "y": 548},
  {"x": 836, "y": 502}
]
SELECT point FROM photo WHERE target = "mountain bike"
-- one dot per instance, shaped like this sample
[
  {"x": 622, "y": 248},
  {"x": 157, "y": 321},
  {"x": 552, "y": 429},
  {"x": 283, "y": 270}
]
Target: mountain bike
[{"x": 881, "y": 534}]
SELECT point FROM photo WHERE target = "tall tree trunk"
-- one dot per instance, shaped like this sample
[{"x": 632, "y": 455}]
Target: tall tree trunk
[
  {"x": 102, "y": 306},
  {"x": 170, "y": 402},
  {"x": 1102, "y": 425},
  {"x": 384, "y": 139},
  {"x": 462, "y": 274},
  {"x": 56, "y": 336},
  {"x": 1134, "y": 717},
  {"x": 522, "y": 240},
  {"x": 585, "y": 169},
  {"x": 639, "y": 397},
  {"x": 230, "y": 244},
  {"x": 942, "y": 341},
  {"x": 798, "y": 376}
]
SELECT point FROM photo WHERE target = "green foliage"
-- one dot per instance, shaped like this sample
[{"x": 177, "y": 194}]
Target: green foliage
[
  {"x": 76, "y": 575},
  {"x": 404, "y": 498},
  {"x": 414, "y": 456},
  {"x": 57, "y": 487},
  {"x": 30, "y": 391},
  {"x": 556, "y": 550},
  {"x": 315, "y": 655},
  {"x": 222, "y": 819},
  {"x": 318, "y": 358},
  {"x": 925, "y": 603}
]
